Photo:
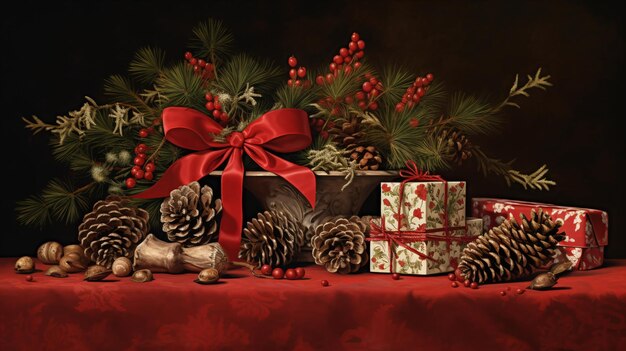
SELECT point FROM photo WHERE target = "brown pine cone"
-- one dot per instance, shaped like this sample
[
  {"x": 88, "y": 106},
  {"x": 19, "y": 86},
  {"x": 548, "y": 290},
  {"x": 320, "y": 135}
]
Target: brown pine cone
[
  {"x": 367, "y": 158},
  {"x": 189, "y": 216},
  {"x": 459, "y": 147},
  {"x": 347, "y": 133},
  {"x": 111, "y": 230},
  {"x": 339, "y": 245},
  {"x": 511, "y": 250},
  {"x": 274, "y": 238}
]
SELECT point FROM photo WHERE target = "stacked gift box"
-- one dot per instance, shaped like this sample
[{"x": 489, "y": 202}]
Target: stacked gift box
[
  {"x": 586, "y": 230},
  {"x": 419, "y": 232}
]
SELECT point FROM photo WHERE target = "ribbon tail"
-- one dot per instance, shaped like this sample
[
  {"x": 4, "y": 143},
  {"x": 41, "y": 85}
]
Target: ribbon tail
[
  {"x": 232, "y": 212},
  {"x": 184, "y": 171}
]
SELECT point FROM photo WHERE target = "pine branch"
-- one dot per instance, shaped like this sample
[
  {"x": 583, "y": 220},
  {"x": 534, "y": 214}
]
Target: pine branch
[
  {"x": 33, "y": 212},
  {"x": 295, "y": 97},
  {"x": 471, "y": 115},
  {"x": 211, "y": 40},
  {"x": 345, "y": 84},
  {"x": 535, "y": 180},
  {"x": 180, "y": 86},
  {"x": 76, "y": 123},
  {"x": 147, "y": 65},
  {"x": 395, "y": 82},
  {"x": 533, "y": 82},
  {"x": 123, "y": 92}
]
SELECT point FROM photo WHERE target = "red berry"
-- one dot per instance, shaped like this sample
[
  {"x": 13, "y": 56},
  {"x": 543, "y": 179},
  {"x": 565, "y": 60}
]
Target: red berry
[
  {"x": 139, "y": 161},
  {"x": 355, "y": 37},
  {"x": 324, "y": 134},
  {"x": 193, "y": 61},
  {"x": 324, "y": 282},
  {"x": 292, "y": 61},
  {"x": 414, "y": 123},
  {"x": 343, "y": 52},
  {"x": 149, "y": 167},
  {"x": 143, "y": 133},
  {"x": 319, "y": 80},
  {"x": 360, "y": 95},
  {"x": 362, "y": 105},
  {"x": 338, "y": 59},
  {"x": 217, "y": 113},
  {"x": 320, "y": 122},
  {"x": 374, "y": 93},
  {"x": 139, "y": 174},
  {"x": 266, "y": 269},
  {"x": 418, "y": 82},
  {"x": 224, "y": 117},
  {"x": 347, "y": 70},
  {"x": 452, "y": 277},
  {"x": 201, "y": 63},
  {"x": 367, "y": 87},
  {"x": 430, "y": 77},
  {"x": 217, "y": 104},
  {"x": 360, "y": 54},
  {"x": 301, "y": 72},
  {"x": 148, "y": 176},
  {"x": 210, "y": 106},
  {"x": 329, "y": 77},
  {"x": 373, "y": 106},
  {"x": 141, "y": 154},
  {"x": 420, "y": 92},
  {"x": 141, "y": 148},
  {"x": 361, "y": 44},
  {"x": 467, "y": 283},
  {"x": 29, "y": 278},
  {"x": 298, "y": 83},
  {"x": 357, "y": 65},
  {"x": 349, "y": 100},
  {"x": 454, "y": 285},
  {"x": 292, "y": 73},
  {"x": 135, "y": 169},
  {"x": 188, "y": 56},
  {"x": 300, "y": 272},
  {"x": 332, "y": 67},
  {"x": 290, "y": 82},
  {"x": 291, "y": 274},
  {"x": 519, "y": 291},
  {"x": 130, "y": 183},
  {"x": 352, "y": 46},
  {"x": 474, "y": 285},
  {"x": 425, "y": 82},
  {"x": 502, "y": 293},
  {"x": 278, "y": 273},
  {"x": 347, "y": 59},
  {"x": 399, "y": 107},
  {"x": 395, "y": 276},
  {"x": 208, "y": 97}
]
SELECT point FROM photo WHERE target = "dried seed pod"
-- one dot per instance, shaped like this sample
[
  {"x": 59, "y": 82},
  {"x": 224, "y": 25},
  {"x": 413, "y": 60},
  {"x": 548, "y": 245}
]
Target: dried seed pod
[
  {"x": 543, "y": 281},
  {"x": 142, "y": 276},
  {"x": 208, "y": 276},
  {"x": 122, "y": 267},
  {"x": 24, "y": 265},
  {"x": 50, "y": 252},
  {"x": 561, "y": 267},
  {"x": 57, "y": 272},
  {"x": 96, "y": 272},
  {"x": 72, "y": 263}
]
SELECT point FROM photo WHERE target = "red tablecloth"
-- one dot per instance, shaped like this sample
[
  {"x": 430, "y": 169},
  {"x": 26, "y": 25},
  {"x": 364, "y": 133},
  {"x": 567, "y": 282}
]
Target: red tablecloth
[{"x": 587, "y": 311}]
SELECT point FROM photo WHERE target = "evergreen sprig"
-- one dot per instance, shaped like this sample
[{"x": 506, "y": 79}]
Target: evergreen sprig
[
  {"x": 212, "y": 40},
  {"x": 180, "y": 86},
  {"x": 147, "y": 65}
]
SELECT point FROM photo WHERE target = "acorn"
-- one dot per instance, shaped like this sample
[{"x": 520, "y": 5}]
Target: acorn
[
  {"x": 24, "y": 265},
  {"x": 142, "y": 276},
  {"x": 208, "y": 276},
  {"x": 72, "y": 263},
  {"x": 122, "y": 267},
  {"x": 543, "y": 281},
  {"x": 50, "y": 252},
  {"x": 56, "y": 272},
  {"x": 96, "y": 273}
]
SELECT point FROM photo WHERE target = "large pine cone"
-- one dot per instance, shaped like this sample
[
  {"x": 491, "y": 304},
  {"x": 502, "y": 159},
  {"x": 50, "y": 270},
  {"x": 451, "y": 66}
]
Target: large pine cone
[
  {"x": 189, "y": 216},
  {"x": 348, "y": 133},
  {"x": 274, "y": 238},
  {"x": 511, "y": 250},
  {"x": 366, "y": 158},
  {"x": 111, "y": 230},
  {"x": 339, "y": 245}
]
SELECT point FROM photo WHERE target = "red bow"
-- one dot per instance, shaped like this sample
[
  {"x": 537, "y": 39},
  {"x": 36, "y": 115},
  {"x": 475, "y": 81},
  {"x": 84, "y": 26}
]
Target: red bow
[{"x": 284, "y": 130}]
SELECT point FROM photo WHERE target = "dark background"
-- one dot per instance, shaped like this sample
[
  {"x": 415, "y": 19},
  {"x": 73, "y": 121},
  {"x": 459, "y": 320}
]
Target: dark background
[{"x": 54, "y": 54}]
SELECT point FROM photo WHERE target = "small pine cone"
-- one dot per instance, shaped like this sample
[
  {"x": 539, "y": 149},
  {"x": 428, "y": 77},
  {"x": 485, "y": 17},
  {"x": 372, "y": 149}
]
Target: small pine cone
[
  {"x": 339, "y": 245},
  {"x": 111, "y": 230},
  {"x": 348, "y": 134},
  {"x": 512, "y": 250},
  {"x": 274, "y": 238},
  {"x": 367, "y": 158},
  {"x": 459, "y": 147},
  {"x": 189, "y": 216}
]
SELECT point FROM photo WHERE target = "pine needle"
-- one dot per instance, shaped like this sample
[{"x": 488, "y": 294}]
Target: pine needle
[
  {"x": 33, "y": 212},
  {"x": 121, "y": 90},
  {"x": 471, "y": 115},
  {"x": 395, "y": 82},
  {"x": 180, "y": 86},
  {"x": 295, "y": 97},
  {"x": 211, "y": 40},
  {"x": 147, "y": 65}
]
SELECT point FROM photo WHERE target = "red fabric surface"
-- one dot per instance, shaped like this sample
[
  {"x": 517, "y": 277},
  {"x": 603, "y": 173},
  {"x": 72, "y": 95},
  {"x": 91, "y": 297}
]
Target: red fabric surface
[{"x": 586, "y": 311}]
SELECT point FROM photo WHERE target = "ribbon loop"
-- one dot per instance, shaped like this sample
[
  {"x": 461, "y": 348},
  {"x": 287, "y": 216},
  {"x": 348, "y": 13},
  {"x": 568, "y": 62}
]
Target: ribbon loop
[{"x": 283, "y": 130}]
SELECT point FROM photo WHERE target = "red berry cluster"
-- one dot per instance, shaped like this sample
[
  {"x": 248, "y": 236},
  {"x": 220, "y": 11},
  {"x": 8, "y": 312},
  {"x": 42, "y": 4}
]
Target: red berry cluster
[
  {"x": 296, "y": 75},
  {"x": 200, "y": 66},
  {"x": 415, "y": 92},
  {"x": 347, "y": 60},
  {"x": 370, "y": 90},
  {"x": 279, "y": 273},
  {"x": 458, "y": 276},
  {"x": 141, "y": 168},
  {"x": 320, "y": 125},
  {"x": 215, "y": 109}
]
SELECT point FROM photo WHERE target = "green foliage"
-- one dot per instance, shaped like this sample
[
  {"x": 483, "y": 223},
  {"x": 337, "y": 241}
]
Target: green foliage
[
  {"x": 296, "y": 97},
  {"x": 180, "y": 86},
  {"x": 242, "y": 72},
  {"x": 471, "y": 115},
  {"x": 147, "y": 65},
  {"x": 395, "y": 81},
  {"x": 58, "y": 201},
  {"x": 212, "y": 40},
  {"x": 121, "y": 90}
]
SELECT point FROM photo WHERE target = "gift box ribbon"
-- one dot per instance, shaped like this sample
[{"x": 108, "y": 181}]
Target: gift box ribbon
[
  {"x": 379, "y": 233},
  {"x": 283, "y": 130}
]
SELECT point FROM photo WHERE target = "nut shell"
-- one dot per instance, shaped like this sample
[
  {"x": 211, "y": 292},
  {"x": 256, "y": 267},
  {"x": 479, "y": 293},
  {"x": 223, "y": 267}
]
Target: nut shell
[
  {"x": 24, "y": 265},
  {"x": 122, "y": 267},
  {"x": 50, "y": 252},
  {"x": 72, "y": 263},
  {"x": 57, "y": 272},
  {"x": 73, "y": 248},
  {"x": 142, "y": 276},
  {"x": 543, "y": 281},
  {"x": 96, "y": 273},
  {"x": 208, "y": 276}
]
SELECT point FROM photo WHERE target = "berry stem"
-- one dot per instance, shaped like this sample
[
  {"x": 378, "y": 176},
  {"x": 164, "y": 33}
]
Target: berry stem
[
  {"x": 83, "y": 188},
  {"x": 156, "y": 151},
  {"x": 250, "y": 267}
]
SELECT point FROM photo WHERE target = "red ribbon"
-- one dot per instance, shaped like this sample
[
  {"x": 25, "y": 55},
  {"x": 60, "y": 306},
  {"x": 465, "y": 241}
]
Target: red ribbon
[
  {"x": 413, "y": 174},
  {"x": 284, "y": 130}
]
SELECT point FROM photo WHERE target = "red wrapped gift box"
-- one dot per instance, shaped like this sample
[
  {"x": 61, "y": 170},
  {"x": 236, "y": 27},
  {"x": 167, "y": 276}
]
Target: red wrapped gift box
[{"x": 586, "y": 230}]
